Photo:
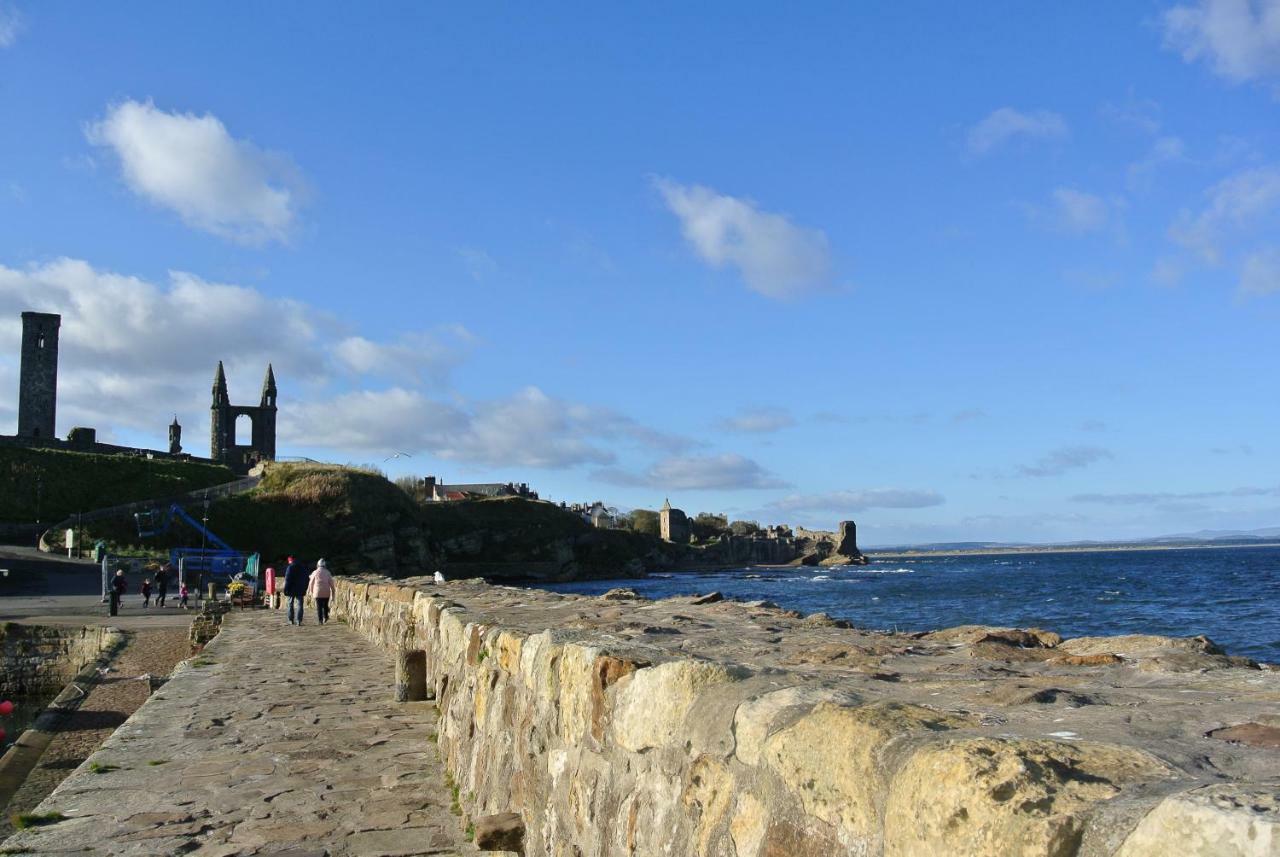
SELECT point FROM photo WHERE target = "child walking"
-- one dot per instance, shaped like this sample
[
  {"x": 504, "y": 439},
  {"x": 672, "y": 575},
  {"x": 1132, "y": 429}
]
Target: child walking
[
  {"x": 182, "y": 595},
  {"x": 146, "y": 592}
]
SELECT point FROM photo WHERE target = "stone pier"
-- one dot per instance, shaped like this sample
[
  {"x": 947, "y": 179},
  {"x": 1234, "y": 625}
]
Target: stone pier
[
  {"x": 708, "y": 728},
  {"x": 573, "y": 726},
  {"x": 274, "y": 740}
]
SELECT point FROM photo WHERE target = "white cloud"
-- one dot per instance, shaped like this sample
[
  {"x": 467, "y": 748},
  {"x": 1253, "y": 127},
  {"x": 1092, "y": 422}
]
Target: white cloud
[
  {"x": 1144, "y": 499},
  {"x": 1168, "y": 272},
  {"x": 1006, "y": 123},
  {"x": 1140, "y": 114},
  {"x": 193, "y": 166},
  {"x": 1260, "y": 274},
  {"x": 758, "y": 420},
  {"x": 479, "y": 264},
  {"x": 1236, "y": 204},
  {"x": 859, "y": 500},
  {"x": 727, "y": 471},
  {"x": 418, "y": 356},
  {"x": 133, "y": 353},
  {"x": 126, "y": 356},
  {"x": 775, "y": 257},
  {"x": 1240, "y": 39},
  {"x": 1059, "y": 461},
  {"x": 526, "y": 429},
  {"x": 968, "y": 415},
  {"x": 371, "y": 421},
  {"x": 1078, "y": 212},
  {"x": 11, "y": 25},
  {"x": 1164, "y": 151}
]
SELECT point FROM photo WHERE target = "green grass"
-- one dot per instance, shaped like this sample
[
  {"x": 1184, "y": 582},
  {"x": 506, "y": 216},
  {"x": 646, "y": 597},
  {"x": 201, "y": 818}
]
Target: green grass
[
  {"x": 455, "y": 806},
  {"x": 71, "y": 482},
  {"x": 23, "y": 820},
  {"x": 155, "y": 762},
  {"x": 102, "y": 768},
  {"x": 203, "y": 662},
  {"x": 471, "y": 832}
]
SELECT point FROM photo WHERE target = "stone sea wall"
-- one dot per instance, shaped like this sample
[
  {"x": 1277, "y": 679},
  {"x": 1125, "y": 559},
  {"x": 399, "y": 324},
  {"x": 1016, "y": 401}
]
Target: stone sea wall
[
  {"x": 37, "y": 659},
  {"x": 622, "y": 726}
]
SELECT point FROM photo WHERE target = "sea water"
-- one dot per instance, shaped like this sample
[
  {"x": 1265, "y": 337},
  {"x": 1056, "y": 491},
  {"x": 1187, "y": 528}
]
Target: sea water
[{"x": 1231, "y": 595}]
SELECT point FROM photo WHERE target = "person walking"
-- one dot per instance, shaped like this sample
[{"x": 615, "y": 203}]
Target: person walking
[
  {"x": 146, "y": 592},
  {"x": 320, "y": 587},
  {"x": 182, "y": 595},
  {"x": 295, "y": 589},
  {"x": 119, "y": 586},
  {"x": 162, "y": 584}
]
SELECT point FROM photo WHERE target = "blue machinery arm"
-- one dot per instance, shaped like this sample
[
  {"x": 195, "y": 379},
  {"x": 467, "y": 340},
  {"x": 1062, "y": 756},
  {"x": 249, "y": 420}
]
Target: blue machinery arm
[{"x": 175, "y": 509}]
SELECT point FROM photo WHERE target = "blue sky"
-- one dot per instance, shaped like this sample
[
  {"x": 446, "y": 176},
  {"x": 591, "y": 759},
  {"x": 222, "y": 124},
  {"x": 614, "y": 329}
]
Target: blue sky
[{"x": 992, "y": 272}]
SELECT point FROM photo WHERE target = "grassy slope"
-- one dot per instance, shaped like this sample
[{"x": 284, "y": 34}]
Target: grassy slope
[
  {"x": 312, "y": 510},
  {"x": 321, "y": 510},
  {"x": 78, "y": 482}
]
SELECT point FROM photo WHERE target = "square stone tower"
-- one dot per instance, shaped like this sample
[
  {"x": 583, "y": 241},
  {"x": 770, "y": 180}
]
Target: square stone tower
[{"x": 38, "y": 377}]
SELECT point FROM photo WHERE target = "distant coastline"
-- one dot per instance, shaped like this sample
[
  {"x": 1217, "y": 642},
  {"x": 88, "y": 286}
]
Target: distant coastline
[{"x": 873, "y": 554}]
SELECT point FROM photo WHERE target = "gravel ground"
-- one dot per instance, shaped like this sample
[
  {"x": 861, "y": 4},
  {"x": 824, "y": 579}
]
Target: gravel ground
[{"x": 109, "y": 703}]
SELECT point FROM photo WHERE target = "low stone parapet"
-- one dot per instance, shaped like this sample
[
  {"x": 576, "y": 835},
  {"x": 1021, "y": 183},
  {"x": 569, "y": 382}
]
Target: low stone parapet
[{"x": 622, "y": 726}]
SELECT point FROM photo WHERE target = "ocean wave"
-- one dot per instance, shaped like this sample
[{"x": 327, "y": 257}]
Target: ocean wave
[{"x": 885, "y": 571}]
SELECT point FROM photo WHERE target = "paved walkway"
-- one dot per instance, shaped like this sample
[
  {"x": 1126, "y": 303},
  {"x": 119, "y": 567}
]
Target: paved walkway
[{"x": 277, "y": 740}]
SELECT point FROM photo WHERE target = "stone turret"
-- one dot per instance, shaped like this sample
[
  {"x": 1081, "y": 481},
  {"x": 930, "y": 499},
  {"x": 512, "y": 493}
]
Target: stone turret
[
  {"x": 269, "y": 389},
  {"x": 673, "y": 524},
  {"x": 175, "y": 436},
  {"x": 218, "y": 427},
  {"x": 264, "y": 423},
  {"x": 38, "y": 376}
]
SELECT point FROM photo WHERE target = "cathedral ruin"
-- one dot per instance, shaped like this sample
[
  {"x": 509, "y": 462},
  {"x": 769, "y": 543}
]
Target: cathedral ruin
[{"x": 38, "y": 399}]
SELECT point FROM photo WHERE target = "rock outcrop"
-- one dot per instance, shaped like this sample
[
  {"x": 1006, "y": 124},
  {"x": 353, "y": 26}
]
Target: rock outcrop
[{"x": 628, "y": 726}]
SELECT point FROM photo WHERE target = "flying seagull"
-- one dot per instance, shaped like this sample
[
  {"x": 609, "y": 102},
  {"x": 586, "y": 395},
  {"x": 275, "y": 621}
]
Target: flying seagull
[{"x": 398, "y": 455}]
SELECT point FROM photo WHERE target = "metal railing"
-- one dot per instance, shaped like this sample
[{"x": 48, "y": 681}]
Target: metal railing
[{"x": 213, "y": 492}]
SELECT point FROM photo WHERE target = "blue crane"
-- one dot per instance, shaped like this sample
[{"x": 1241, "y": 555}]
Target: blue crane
[{"x": 147, "y": 526}]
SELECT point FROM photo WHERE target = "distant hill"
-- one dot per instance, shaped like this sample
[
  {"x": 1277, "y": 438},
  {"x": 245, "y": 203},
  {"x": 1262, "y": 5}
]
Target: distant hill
[
  {"x": 359, "y": 521},
  {"x": 1201, "y": 537},
  {"x": 1264, "y": 534}
]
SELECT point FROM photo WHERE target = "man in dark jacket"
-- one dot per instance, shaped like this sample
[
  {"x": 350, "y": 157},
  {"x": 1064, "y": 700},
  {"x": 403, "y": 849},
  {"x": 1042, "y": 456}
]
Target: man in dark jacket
[
  {"x": 295, "y": 588},
  {"x": 119, "y": 586},
  {"x": 162, "y": 583}
]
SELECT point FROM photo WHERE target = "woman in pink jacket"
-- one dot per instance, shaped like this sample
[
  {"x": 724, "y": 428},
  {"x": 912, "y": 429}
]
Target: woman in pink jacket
[{"x": 320, "y": 588}]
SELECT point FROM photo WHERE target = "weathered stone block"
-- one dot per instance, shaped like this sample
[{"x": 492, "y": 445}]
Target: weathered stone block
[
  {"x": 831, "y": 758},
  {"x": 1227, "y": 820},
  {"x": 988, "y": 797}
]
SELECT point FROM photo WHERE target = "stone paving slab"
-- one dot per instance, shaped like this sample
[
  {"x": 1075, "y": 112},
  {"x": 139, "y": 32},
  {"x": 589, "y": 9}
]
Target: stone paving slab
[{"x": 276, "y": 740}]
